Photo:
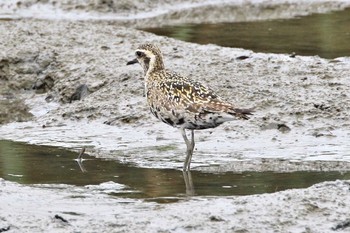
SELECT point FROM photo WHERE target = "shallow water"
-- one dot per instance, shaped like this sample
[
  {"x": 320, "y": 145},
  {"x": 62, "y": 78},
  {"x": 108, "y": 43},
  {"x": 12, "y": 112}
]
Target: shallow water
[
  {"x": 326, "y": 35},
  {"x": 31, "y": 164}
]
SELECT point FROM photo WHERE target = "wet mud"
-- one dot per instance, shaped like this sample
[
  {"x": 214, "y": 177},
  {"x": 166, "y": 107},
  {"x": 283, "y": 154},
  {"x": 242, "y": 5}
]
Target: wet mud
[{"x": 63, "y": 208}]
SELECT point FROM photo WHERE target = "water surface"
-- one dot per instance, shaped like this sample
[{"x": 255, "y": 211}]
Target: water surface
[
  {"x": 30, "y": 164},
  {"x": 326, "y": 35}
]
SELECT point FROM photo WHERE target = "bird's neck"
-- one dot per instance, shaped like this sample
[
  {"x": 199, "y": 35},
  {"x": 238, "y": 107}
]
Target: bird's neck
[
  {"x": 154, "y": 79},
  {"x": 154, "y": 65}
]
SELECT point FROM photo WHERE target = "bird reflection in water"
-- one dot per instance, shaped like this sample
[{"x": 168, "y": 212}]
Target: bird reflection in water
[{"x": 189, "y": 188}]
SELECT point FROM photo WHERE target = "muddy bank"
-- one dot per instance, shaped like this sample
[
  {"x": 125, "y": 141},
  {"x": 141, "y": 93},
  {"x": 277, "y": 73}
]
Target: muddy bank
[{"x": 64, "y": 208}]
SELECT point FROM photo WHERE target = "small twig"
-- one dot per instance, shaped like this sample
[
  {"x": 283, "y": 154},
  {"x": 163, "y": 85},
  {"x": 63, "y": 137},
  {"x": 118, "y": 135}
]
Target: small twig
[
  {"x": 80, "y": 156},
  {"x": 80, "y": 160},
  {"x": 60, "y": 218}
]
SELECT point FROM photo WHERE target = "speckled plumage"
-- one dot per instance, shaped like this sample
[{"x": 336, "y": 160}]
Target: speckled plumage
[{"x": 181, "y": 102}]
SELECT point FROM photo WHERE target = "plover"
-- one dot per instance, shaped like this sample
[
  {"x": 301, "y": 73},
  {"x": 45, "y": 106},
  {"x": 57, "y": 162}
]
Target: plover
[{"x": 181, "y": 102}]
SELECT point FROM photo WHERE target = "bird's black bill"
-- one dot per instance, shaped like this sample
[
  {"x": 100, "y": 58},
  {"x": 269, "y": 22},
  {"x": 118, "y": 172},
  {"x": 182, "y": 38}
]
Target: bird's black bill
[{"x": 132, "y": 62}]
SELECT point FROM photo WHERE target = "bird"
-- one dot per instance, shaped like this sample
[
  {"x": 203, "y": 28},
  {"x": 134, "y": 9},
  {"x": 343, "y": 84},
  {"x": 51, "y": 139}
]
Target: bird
[{"x": 180, "y": 101}]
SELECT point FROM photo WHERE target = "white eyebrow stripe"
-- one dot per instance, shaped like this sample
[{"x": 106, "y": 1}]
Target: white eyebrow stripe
[{"x": 141, "y": 50}]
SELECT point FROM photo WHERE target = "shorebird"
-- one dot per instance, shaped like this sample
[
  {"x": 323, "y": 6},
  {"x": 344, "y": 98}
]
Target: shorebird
[{"x": 181, "y": 102}]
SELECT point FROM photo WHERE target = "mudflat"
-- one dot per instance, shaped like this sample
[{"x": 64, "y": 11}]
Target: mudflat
[{"x": 65, "y": 83}]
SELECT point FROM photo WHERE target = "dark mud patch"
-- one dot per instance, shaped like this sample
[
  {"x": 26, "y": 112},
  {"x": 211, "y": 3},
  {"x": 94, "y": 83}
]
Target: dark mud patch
[{"x": 13, "y": 109}]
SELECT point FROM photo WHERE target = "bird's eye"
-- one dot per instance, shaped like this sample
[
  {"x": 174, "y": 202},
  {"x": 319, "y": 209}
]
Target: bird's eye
[{"x": 138, "y": 53}]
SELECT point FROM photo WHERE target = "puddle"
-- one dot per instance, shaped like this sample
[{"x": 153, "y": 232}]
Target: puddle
[
  {"x": 30, "y": 164},
  {"x": 326, "y": 35}
]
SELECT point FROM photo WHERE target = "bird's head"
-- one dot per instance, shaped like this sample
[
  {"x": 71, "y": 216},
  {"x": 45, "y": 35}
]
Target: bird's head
[{"x": 150, "y": 58}]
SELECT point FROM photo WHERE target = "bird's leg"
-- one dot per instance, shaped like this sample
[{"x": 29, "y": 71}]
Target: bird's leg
[
  {"x": 192, "y": 140},
  {"x": 189, "y": 151},
  {"x": 192, "y": 148}
]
